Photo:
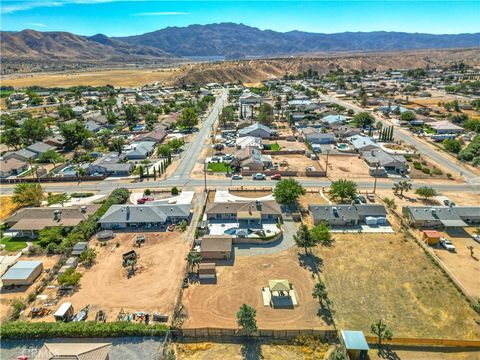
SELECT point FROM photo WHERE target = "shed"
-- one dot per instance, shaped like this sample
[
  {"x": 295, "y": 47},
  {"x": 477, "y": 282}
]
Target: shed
[
  {"x": 105, "y": 235},
  {"x": 431, "y": 237},
  {"x": 207, "y": 271},
  {"x": 355, "y": 344},
  {"x": 72, "y": 261},
  {"x": 22, "y": 273},
  {"x": 216, "y": 247},
  {"x": 79, "y": 248}
]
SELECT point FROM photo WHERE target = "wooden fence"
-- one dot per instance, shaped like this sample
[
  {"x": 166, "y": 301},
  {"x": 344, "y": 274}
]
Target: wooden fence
[
  {"x": 53, "y": 179},
  {"x": 270, "y": 172},
  {"x": 284, "y": 152}
]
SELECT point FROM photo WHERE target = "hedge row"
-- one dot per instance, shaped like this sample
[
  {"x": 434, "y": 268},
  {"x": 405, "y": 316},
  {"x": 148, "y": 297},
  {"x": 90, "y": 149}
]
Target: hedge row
[{"x": 29, "y": 330}]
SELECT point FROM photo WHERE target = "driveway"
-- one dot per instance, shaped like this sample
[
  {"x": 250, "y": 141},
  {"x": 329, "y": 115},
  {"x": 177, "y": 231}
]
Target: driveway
[{"x": 284, "y": 243}]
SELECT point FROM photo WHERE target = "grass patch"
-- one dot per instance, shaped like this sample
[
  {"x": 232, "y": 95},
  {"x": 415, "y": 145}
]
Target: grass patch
[
  {"x": 13, "y": 244},
  {"x": 275, "y": 147},
  {"x": 219, "y": 167}
]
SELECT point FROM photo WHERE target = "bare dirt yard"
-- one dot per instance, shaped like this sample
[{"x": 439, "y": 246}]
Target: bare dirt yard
[
  {"x": 22, "y": 292},
  {"x": 296, "y": 162},
  {"x": 385, "y": 276},
  {"x": 216, "y": 305},
  {"x": 345, "y": 166},
  {"x": 7, "y": 207},
  {"x": 464, "y": 266},
  {"x": 286, "y": 145},
  {"x": 154, "y": 287}
]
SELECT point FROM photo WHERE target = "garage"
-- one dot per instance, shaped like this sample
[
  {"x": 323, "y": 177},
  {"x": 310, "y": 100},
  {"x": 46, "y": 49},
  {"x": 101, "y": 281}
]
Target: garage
[{"x": 22, "y": 273}]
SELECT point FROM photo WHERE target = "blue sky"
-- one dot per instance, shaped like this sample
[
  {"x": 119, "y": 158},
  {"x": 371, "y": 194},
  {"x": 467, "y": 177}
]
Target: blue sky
[{"x": 129, "y": 17}]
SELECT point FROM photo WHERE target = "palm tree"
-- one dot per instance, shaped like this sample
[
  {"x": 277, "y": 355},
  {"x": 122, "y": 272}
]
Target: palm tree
[{"x": 194, "y": 259}]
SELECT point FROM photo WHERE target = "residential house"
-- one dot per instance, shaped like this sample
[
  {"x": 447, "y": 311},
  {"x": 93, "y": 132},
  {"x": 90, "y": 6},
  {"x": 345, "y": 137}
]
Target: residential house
[
  {"x": 334, "y": 120},
  {"x": 442, "y": 216},
  {"x": 22, "y": 155},
  {"x": 314, "y": 136},
  {"x": 147, "y": 216},
  {"x": 251, "y": 158},
  {"x": 257, "y": 130},
  {"x": 12, "y": 166},
  {"x": 39, "y": 148},
  {"x": 74, "y": 351},
  {"x": 362, "y": 143},
  {"x": 78, "y": 110},
  {"x": 140, "y": 150},
  {"x": 348, "y": 214},
  {"x": 392, "y": 163},
  {"x": 157, "y": 135},
  {"x": 248, "y": 141},
  {"x": 111, "y": 164},
  {"x": 446, "y": 127},
  {"x": 28, "y": 221},
  {"x": 93, "y": 126}
]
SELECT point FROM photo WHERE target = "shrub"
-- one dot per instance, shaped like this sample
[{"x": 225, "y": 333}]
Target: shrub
[
  {"x": 147, "y": 192},
  {"x": 69, "y": 277},
  {"x": 34, "y": 330},
  {"x": 174, "y": 191},
  {"x": 417, "y": 165},
  {"x": 437, "y": 171},
  {"x": 81, "y": 194},
  {"x": 18, "y": 307},
  {"x": 449, "y": 175},
  {"x": 426, "y": 170}
]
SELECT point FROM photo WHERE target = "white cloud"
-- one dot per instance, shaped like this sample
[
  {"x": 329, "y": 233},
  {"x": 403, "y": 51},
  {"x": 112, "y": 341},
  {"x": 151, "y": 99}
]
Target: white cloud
[
  {"x": 37, "y": 24},
  {"x": 16, "y": 6},
  {"x": 161, "y": 13}
]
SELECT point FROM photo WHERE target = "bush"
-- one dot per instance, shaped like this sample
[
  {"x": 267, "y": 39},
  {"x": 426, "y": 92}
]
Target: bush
[
  {"x": 175, "y": 191},
  {"x": 147, "y": 192},
  {"x": 426, "y": 170},
  {"x": 18, "y": 307},
  {"x": 417, "y": 165},
  {"x": 437, "y": 171},
  {"x": 69, "y": 277},
  {"x": 81, "y": 194},
  {"x": 35, "y": 330}
]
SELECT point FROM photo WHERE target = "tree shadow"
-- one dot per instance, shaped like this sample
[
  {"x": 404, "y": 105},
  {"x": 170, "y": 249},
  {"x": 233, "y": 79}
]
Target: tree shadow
[
  {"x": 386, "y": 352},
  {"x": 251, "y": 350},
  {"x": 326, "y": 314},
  {"x": 311, "y": 262}
]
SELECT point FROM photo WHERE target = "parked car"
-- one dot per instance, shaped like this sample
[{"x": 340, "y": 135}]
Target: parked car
[
  {"x": 276, "y": 177},
  {"x": 476, "y": 238},
  {"x": 258, "y": 176},
  {"x": 448, "y": 203},
  {"x": 447, "y": 244},
  {"x": 237, "y": 177},
  {"x": 360, "y": 199},
  {"x": 218, "y": 146},
  {"x": 310, "y": 168},
  {"x": 144, "y": 199},
  {"x": 215, "y": 159},
  {"x": 228, "y": 157},
  {"x": 371, "y": 197}
]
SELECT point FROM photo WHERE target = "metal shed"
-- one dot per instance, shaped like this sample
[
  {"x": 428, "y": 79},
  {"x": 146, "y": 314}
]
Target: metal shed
[
  {"x": 22, "y": 273},
  {"x": 355, "y": 344}
]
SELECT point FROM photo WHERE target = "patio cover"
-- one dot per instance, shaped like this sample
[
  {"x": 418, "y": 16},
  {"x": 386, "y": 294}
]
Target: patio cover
[
  {"x": 279, "y": 285},
  {"x": 453, "y": 223}
]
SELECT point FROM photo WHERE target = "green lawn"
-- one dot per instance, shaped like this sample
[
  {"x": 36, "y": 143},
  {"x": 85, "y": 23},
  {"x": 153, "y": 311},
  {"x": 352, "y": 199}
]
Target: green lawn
[
  {"x": 13, "y": 244},
  {"x": 219, "y": 167},
  {"x": 275, "y": 147}
]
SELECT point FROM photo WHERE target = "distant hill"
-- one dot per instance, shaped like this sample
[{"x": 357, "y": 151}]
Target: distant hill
[
  {"x": 225, "y": 39},
  {"x": 35, "y": 45}
]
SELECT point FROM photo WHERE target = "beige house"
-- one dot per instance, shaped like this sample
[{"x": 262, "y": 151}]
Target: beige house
[{"x": 74, "y": 351}]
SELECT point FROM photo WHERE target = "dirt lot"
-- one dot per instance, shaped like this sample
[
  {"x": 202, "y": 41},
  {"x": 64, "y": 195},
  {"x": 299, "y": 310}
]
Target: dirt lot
[
  {"x": 22, "y": 292},
  {"x": 373, "y": 276},
  {"x": 343, "y": 166},
  {"x": 463, "y": 266},
  {"x": 7, "y": 207},
  {"x": 216, "y": 305},
  {"x": 253, "y": 350},
  {"x": 154, "y": 287},
  {"x": 297, "y": 162}
]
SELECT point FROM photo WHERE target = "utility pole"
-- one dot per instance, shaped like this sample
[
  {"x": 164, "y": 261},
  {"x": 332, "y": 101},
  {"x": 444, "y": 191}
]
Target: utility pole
[
  {"x": 326, "y": 164},
  {"x": 205, "y": 176},
  {"x": 375, "y": 176}
]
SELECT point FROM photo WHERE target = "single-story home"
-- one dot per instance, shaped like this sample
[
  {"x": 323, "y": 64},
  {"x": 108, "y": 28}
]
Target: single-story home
[
  {"x": 390, "y": 162},
  {"x": 22, "y": 155},
  {"x": 111, "y": 164},
  {"x": 251, "y": 158},
  {"x": 248, "y": 141},
  {"x": 442, "y": 216},
  {"x": 257, "y": 130},
  {"x": 248, "y": 213},
  {"x": 333, "y": 120},
  {"x": 157, "y": 135},
  {"x": 446, "y": 127},
  {"x": 22, "y": 273},
  {"x": 39, "y": 148},
  {"x": 28, "y": 221},
  {"x": 314, "y": 136},
  {"x": 93, "y": 126},
  {"x": 348, "y": 215},
  {"x": 11, "y": 167},
  {"x": 74, "y": 351},
  {"x": 145, "y": 216},
  {"x": 362, "y": 143},
  {"x": 140, "y": 150},
  {"x": 216, "y": 247}
]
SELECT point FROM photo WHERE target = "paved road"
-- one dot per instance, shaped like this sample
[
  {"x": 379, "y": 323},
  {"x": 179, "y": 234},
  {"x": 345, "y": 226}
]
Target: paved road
[
  {"x": 453, "y": 167},
  {"x": 191, "y": 154}
]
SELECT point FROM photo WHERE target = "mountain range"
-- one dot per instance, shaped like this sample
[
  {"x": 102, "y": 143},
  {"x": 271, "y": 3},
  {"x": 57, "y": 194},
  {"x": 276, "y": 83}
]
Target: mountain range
[{"x": 224, "y": 39}]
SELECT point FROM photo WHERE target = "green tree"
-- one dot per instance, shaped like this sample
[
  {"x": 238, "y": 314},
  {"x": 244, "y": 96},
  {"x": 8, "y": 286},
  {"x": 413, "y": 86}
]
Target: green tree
[
  {"x": 33, "y": 130},
  {"x": 303, "y": 238},
  {"x": 88, "y": 257},
  {"x": 452, "y": 145},
  {"x": 50, "y": 156},
  {"x": 265, "y": 114},
  {"x": 175, "y": 144},
  {"x": 53, "y": 199},
  {"x": 382, "y": 331},
  {"x": 246, "y": 319},
  {"x": 321, "y": 234},
  {"x": 69, "y": 277},
  {"x": 426, "y": 192},
  {"x": 407, "y": 116},
  {"x": 343, "y": 190},
  {"x": 164, "y": 150},
  {"x": 28, "y": 194},
  {"x": 117, "y": 144},
  {"x": 390, "y": 202},
  {"x": 363, "y": 119},
  {"x": 188, "y": 118},
  {"x": 12, "y": 138},
  {"x": 288, "y": 191},
  {"x": 131, "y": 113},
  {"x": 65, "y": 112},
  {"x": 320, "y": 292},
  {"x": 401, "y": 187},
  {"x": 193, "y": 259},
  {"x": 74, "y": 134}
]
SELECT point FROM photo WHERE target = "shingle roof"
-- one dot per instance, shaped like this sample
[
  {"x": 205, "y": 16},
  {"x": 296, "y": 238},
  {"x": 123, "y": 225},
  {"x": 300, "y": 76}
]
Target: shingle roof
[
  {"x": 144, "y": 213},
  {"x": 74, "y": 351},
  {"x": 40, "y": 147},
  {"x": 216, "y": 243},
  {"x": 268, "y": 207},
  {"x": 346, "y": 212}
]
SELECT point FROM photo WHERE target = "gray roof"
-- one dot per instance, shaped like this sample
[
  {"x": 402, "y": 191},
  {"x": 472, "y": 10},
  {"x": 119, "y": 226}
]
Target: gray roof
[
  {"x": 144, "y": 213},
  {"x": 448, "y": 216},
  {"x": 92, "y": 125},
  {"x": 257, "y": 126},
  {"x": 21, "y": 270},
  {"x": 141, "y": 148},
  {"x": 359, "y": 141},
  {"x": 40, "y": 147},
  {"x": 27, "y": 154},
  {"x": 382, "y": 157},
  {"x": 346, "y": 212}
]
